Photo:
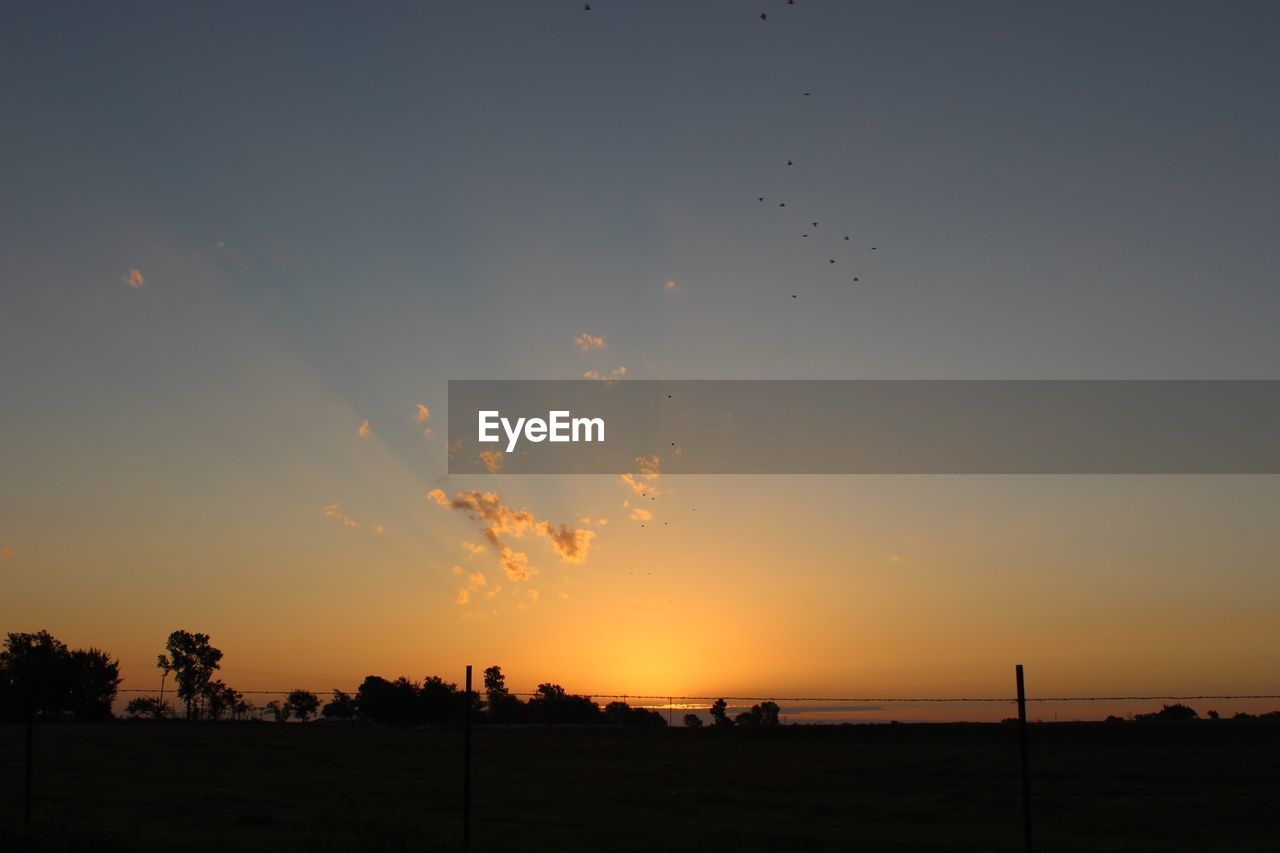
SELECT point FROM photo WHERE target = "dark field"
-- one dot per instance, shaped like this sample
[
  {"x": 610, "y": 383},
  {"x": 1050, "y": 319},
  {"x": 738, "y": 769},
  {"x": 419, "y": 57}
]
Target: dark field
[{"x": 1198, "y": 786}]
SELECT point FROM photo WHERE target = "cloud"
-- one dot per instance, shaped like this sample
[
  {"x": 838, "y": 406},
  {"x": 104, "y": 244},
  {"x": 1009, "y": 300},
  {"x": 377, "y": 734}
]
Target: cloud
[
  {"x": 615, "y": 374},
  {"x": 639, "y": 514},
  {"x": 571, "y": 545},
  {"x": 134, "y": 279},
  {"x": 515, "y": 564},
  {"x": 644, "y": 481},
  {"x": 492, "y": 460},
  {"x": 497, "y": 520},
  {"x": 671, "y": 284},
  {"x": 533, "y": 595},
  {"x": 457, "y": 570},
  {"x": 475, "y": 549},
  {"x": 364, "y": 430},
  {"x": 588, "y": 342},
  {"x": 487, "y": 508},
  {"x": 464, "y": 595},
  {"x": 332, "y": 511},
  {"x": 422, "y": 414},
  {"x": 8, "y": 552}
]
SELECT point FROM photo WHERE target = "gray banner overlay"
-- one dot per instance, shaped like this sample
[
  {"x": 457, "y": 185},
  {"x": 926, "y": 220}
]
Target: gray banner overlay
[{"x": 872, "y": 426}]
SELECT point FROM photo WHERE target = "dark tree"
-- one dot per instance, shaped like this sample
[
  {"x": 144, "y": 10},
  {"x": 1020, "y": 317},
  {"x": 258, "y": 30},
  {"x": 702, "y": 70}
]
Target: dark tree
[
  {"x": 278, "y": 710},
  {"x": 343, "y": 707},
  {"x": 503, "y": 707},
  {"x": 146, "y": 706},
  {"x": 440, "y": 701},
  {"x": 193, "y": 661},
  {"x": 302, "y": 704},
  {"x": 389, "y": 703},
  {"x": 622, "y": 714},
  {"x": 1177, "y": 711},
  {"x": 692, "y": 721},
  {"x": 765, "y": 714},
  {"x": 720, "y": 713},
  {"x": 40, "y": 675},
  {"x": 219, "y": 699},
  {"x": 553, "y": 704},
  {"x": 744, "y": 718}
]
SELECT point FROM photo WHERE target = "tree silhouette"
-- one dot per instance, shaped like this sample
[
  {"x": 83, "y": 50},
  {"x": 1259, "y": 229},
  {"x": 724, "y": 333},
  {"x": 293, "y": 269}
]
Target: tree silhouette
[
  {"x": 1176, "y": 711},
  {"x": 342, "y": 707},
  {"x": 622, "y": 714},
  {"x": 146, "y": 706},
  {"x": 720, "y": 713},
  {"x": 278, "y": 710},
  {"x": 194, "y": 661},
  {"x": 692, "y": 721},
  {"x": 42, "y": 676},
  {"x": 302, "y": 704},
  {"x": 165, "y": 667}
]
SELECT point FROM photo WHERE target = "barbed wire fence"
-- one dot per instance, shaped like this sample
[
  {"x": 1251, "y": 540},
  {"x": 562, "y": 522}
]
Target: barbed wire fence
[{"x": 658, "y": 702}]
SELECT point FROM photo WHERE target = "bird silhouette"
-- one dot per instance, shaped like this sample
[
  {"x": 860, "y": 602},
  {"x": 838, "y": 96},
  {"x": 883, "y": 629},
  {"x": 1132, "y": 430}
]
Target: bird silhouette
[
  {"x": 586, "y": 7},
  {"x": 789, "y": 163},
  {"x": 815, "y": 225},
  {"x": 764, "y": 17},
  {"x": 832, "y": 261},
  {"x": 846, "y": 236},
  {"x": 761, "y": 198}
]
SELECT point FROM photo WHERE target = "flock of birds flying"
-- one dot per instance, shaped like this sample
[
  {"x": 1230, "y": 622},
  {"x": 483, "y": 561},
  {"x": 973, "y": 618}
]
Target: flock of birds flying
[{"x": 813, "y": 224}]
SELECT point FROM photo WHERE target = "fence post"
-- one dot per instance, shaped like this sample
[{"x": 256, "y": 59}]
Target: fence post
[
  {"x": 31, "y": 731},
  {"x": 1026, "y": 763},
  {"x": 466, "y": 769}
]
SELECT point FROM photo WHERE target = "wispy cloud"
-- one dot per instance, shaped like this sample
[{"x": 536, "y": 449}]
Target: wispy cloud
[
  {"x": 645, "y": 481},
  {"x": 475, "y": 549},
  {"x": 588, "y": 342},
  {"x": 491, "y": 460},
  {"x": 134, "y": 279},
  {"x": 498, "y": 520},
  {"x": 612, "y": 375},
  {"x": 364, "y": 430},
  {"x": 332, "y": 511},
  {"x": 671, "y": 284},
  {"x": 515, "y": 564},
  {"x": 421, "y": 415}
]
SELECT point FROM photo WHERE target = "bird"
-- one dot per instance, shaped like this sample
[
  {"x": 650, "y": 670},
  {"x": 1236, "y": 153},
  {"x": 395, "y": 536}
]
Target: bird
[
  {"x": 761, "y": 198},
  {"x": 782, "y": 204},
  {"x": 764, "y": 17},
  {"x": 873, "y": 248},
  {"x": 804, "y": 235},
  {"x": 807, "y": 94},
  {"x": 855, "y": 278},
  {"x": 793, "y": 296},
  {"x": 846, "y": 236},
  {"x": 586, "y": 7},
  {"x": 789, "y": 163},
  {"x": 832, "y": 261},
  {"x": 815, "y": 225}
]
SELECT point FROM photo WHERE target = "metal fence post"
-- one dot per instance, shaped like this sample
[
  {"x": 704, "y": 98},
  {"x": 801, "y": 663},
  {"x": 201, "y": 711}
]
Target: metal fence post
[
  {"x": 466, "y": 768},
  {"x": 31, "y": 731},
  {"x": 1026, "y": 763}
]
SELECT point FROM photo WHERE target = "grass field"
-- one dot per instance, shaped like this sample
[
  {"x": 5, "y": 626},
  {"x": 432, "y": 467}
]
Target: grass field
[{"x": 1200, "y": 786}]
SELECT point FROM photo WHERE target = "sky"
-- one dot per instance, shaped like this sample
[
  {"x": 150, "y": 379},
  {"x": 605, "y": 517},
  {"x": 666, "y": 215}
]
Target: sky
[{"x": 244, "y": 243}]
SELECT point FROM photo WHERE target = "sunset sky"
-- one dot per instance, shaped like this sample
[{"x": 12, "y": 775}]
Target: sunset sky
[{"x": 243, "y": 244}]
